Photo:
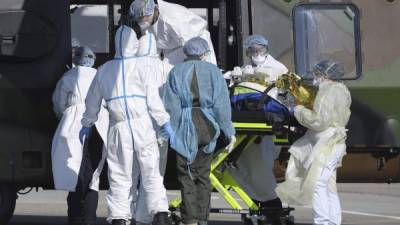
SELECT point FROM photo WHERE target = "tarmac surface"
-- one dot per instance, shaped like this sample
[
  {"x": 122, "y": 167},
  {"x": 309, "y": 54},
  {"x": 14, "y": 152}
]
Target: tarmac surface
[{"x": 363, "y": 204}]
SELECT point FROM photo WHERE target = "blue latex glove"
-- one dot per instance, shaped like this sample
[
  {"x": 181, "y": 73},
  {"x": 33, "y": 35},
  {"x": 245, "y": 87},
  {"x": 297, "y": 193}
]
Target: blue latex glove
[
  {"x": 84, "y": 133},
  {"x": 168, "y": 132}
]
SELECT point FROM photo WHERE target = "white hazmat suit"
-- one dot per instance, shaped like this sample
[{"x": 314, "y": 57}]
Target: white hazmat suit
[
  {"x": 159, "y": 75},
  {"x": 133, "y": 102},
  {"x": 311, "y": 172},
  {"x": 69, "y": 105},
  {"x": 255, "y": 165}
]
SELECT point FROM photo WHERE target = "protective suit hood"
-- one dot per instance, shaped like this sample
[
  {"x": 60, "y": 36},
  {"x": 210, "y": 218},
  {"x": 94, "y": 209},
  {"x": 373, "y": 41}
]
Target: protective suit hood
[
  {"x": 181, "y": 23},
  {"x": 126, "y": 42},
  {"x": 147, "y": 45}
]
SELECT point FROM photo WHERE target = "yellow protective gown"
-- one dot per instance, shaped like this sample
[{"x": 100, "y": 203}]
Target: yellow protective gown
[{"x": 309, "y": 155}]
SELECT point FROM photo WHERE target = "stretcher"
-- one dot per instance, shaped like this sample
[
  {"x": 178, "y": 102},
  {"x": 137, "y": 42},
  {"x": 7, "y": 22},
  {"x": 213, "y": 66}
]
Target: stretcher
[{"x": 224, "y": 183}]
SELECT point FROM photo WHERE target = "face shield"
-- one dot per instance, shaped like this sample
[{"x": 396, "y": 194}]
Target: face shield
[
  {"x": 84, "y": 56},
  {"x": 145, "y": 22},
  {"x": 328, "y": 69},
  {"x": 143, "y": 12},
  {"x": 318, "y": 77}
]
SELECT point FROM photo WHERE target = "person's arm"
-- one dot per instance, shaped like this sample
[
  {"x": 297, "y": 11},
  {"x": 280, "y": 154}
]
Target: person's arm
[
  {"x": 171, "y": 99},
  {"x": 60, "y": 98},
  {"x": 321, "y": 117},
  {"x": 93, "y": 103},
  {"x": 162, "y": 78},
  {"x": 222, "y": 106}
]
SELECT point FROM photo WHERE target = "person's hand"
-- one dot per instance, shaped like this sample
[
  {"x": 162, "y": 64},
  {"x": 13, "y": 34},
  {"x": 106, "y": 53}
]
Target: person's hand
[
  {"x": 84, "y": 133},
  {"x": 168, "y": 132},
  {"x": 231, "y": 145}
]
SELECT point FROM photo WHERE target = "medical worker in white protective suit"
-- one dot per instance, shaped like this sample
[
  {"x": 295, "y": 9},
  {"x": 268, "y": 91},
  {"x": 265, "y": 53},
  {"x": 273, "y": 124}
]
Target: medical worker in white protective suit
[
  {"x": 75, "y": 169},
  {"x": 161, "y": 69},
  {"x": 173, "y": 25},
  {"x": 311, "y": 172},
  {"x": 159, "y": 74},
  {"x": 254, "y": 168},
  {"x": 133, "y": 102}
]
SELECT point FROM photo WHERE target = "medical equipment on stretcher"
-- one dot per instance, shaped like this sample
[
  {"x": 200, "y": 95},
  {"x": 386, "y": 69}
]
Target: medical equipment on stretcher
[
  {"x": 303, "y": 92},
  {"x": 257, "y": 75}
]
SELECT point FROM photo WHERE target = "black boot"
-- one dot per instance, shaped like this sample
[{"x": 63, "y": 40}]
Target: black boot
[
  {"x": 162, "y": 218},
  {"x": 90, "y": 207},
  {"x": 118, "y": 222}
]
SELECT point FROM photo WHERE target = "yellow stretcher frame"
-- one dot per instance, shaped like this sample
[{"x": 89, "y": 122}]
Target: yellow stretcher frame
[{"x": 223, "y": 181}]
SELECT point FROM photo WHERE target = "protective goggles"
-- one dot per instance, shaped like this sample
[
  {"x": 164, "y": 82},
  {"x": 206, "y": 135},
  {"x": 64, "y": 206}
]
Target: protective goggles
[
  {"x": 255, "y": 51},
  {"x": 79, "y": 55}
]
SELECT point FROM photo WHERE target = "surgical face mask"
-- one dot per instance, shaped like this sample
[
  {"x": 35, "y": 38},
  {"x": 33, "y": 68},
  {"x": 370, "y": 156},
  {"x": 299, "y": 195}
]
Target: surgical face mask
[
  {"x": 205, "y": 56},
  {"x": 144, "y": 25},
  {"x": 317, "y": 81},
  {"x": 258, "y": 59}
]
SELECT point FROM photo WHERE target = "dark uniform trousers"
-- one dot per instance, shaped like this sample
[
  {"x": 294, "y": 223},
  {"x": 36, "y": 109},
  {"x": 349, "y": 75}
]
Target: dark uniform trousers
[
  {"x": 82, "y": 204},
  {"x": 195, "y": 187}
]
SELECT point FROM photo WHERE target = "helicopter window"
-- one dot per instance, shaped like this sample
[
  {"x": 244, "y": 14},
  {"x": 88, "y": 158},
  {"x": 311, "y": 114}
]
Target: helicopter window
[
  {"x": 89, "y": 27},
  {"x": 327, "y": 31},
  {"x": 117, "y": 14},
  {"x": 271, "y": 19}
]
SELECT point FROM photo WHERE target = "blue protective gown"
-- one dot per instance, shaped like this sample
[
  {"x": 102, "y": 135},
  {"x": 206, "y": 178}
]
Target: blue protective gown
[{"x": 214, "y": 103}]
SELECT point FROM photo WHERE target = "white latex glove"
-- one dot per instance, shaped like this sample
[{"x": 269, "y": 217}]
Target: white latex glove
[
  {"x": 231, "y": 143},
  {"x": 162, "y": 141},
  {"x": 227, "y": 75}
]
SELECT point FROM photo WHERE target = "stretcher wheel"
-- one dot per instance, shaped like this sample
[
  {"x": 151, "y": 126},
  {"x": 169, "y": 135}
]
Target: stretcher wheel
[
  {"x": 245, "y": 220},
  {"x": 176, "y": 220},
  {"x": 287, "y": 220}
]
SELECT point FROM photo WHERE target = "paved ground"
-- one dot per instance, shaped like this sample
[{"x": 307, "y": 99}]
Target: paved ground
[{"x": 363, "y": 204}]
